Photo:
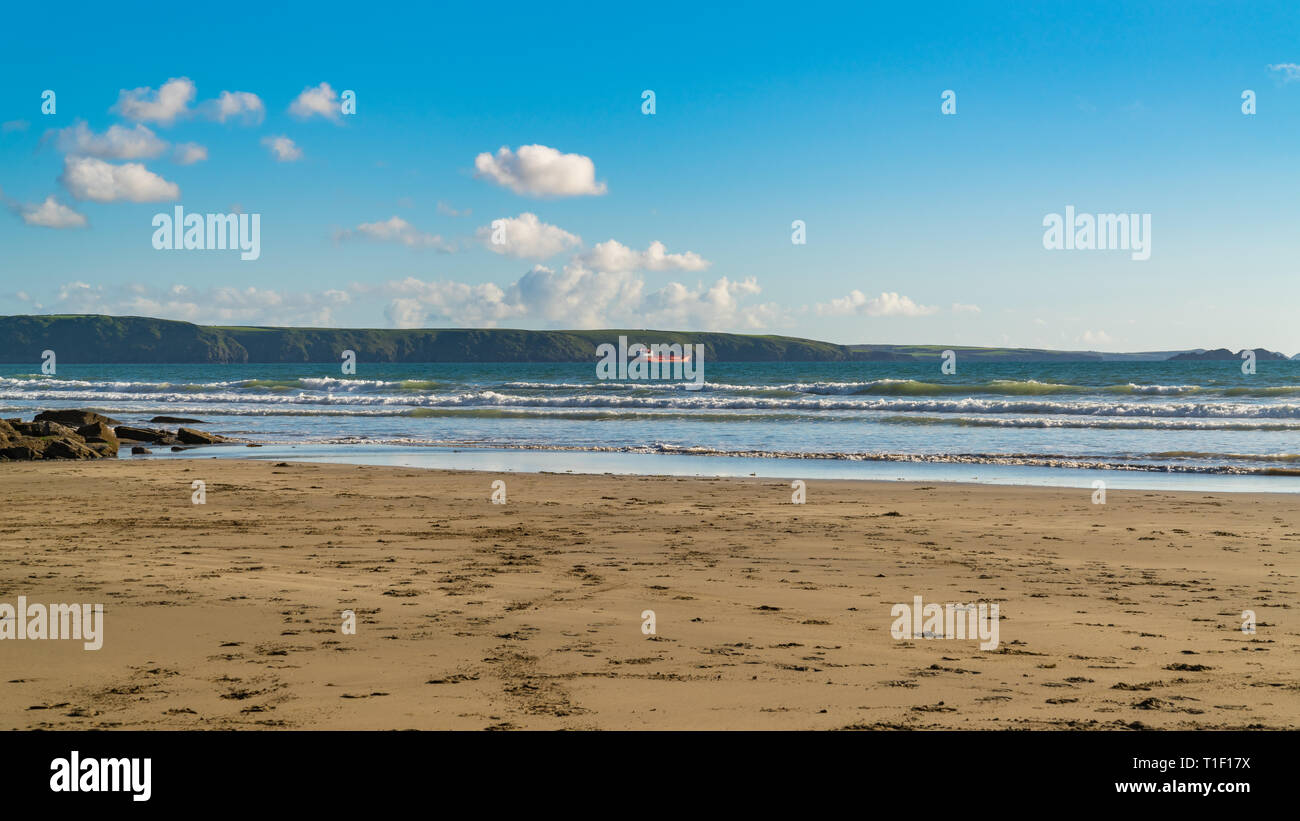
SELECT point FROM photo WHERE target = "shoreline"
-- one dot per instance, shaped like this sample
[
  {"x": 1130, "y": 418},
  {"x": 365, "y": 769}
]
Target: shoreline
[
  {"x": 507, "y": 458},
  {"x": 529, "y": 614}
]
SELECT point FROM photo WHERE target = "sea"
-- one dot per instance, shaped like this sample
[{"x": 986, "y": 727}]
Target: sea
[{"x": 1156, "y": 425}]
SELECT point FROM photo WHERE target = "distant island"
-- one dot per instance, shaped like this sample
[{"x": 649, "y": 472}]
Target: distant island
[
  {"x": 99, "y": 339},
  {"x": 1223, "y": 355}
]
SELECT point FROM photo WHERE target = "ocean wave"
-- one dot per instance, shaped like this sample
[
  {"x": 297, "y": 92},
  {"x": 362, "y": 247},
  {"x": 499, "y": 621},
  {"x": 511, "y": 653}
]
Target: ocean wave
[
  {"x": 694, "y": 401},
  {"x": 1229, "y": 457},
  {"x": 328, "y": 385},
  {"x": 886, "y": 387},
  {"x": 1098, "y": 424},
  {"x": 1135, "y": 462}
]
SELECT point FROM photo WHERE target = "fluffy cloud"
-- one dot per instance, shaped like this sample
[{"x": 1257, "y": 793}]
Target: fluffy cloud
[
  {"x": 88, "y": 178},
  {"x": 396, "y": 229},
  {"x": 283, "y": 148},
  {"x": 539, "y": 171},
  {"x": 889, "y": 303},
  {"x": 526, "y": 237},
  {"x": 163, "y": 106},
  {"x": 717, "y": 305},
  {"x": 190, "y": 153},
  {"x": 447, "y": 211},
  {"x": 613, "y": 255},
  {"x": 258, "y": 306},
  {"x": 321, "y": 101},
  {"x": 961, "y": 308},
  {"x": 173, "y": 99},
  {"x": 1290, "y": 71},
  {"x": 242, "y": 105},
  {"x": 419, "y": 304},
  {"x": 574, "y": 297},
  {"x": 52, "y": 214},
  {"x": 118, "y": 143}
]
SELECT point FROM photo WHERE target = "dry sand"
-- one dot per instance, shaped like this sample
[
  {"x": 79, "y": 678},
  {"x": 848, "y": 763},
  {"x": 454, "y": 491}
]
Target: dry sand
[{"x": 769, "y": 615}]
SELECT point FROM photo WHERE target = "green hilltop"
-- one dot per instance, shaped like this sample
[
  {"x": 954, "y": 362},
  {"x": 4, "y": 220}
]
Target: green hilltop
[
  {"x": 94, "y": 338},
  {"x": 131, "y": 339}
]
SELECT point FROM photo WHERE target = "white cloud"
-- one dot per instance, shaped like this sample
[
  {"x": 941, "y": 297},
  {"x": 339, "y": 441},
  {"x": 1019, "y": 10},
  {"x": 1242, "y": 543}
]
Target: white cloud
[
  {"x": 405, "y": 313},
  {"x": 600, "y": 288},
  {"x": 1095, "y": 338},
  {"x": 242, "y": 105},
  {"x": 447, "y": 211},
  {"x": 527, "y": 237},
  {"x": 284, "y": 149},
  {"x": 319, "y": 101},
  {"x": 190, "y": 153},
  {"x": 613, "y": 255},
  {"x": 889, "y": 303},
  {"x": 256, "y": 306},
  {"x": 162, "y": 106},
  {"x": 13, "y": 125},
  {"x": 396, "y": 229},
  {"x": 52, "y": 214},
  {"x": 717, "y": 305},
  {"x": 540, "y": 171},
  {"x": 960, "y": 308},
  {"x": 420, "y": 304},
  {"x": 575, "y": 297},
  {"x": 80, "y": 293},
  {"x": 118, "y": 143},
  {"x": 87, "y": 178},
  {"x": 1290, "y": 71}
]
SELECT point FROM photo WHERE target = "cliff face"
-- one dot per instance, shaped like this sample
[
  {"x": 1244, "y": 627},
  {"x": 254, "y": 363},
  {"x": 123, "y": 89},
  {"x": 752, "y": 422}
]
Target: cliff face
[
  {"x": 92, "y": 338},
  {"x": 142, "y": 340},
  {"x": 110, "y": 339}
]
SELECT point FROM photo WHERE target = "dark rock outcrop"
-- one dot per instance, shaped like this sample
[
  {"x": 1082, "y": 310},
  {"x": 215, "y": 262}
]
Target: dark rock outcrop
[
  {"x": 24, "y": 448},
  {"x": 90, "y": 436},
  {"x": 70, "y": 449},
  {"x": 100, "y": 438},
  {"x": 190, "y": 436},
  {"x": 73, "y": 418},
  {"x": 155, "y": 436},
  {"x": 97, "y": 432},
  {"x": 175, "y": 420},
  {"x": 43, "y": 429}
]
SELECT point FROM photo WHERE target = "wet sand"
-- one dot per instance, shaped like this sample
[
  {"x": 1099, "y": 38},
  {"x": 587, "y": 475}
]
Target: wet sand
[{"x": 528, "y": 614}]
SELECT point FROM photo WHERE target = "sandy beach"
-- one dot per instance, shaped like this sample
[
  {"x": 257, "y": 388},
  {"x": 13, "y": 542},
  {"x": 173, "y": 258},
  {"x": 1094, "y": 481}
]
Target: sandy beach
[{"x": 529, "y": 614}]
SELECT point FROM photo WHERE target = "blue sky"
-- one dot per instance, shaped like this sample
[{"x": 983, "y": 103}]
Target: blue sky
[{"x": 921, "y": 227}]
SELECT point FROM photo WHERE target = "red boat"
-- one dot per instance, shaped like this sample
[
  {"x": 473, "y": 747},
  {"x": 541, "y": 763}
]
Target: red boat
[{"x": 646, "y": 355}]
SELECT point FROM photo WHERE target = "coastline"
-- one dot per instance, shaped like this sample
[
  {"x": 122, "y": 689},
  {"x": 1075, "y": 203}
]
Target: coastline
[
  {"x": 701, "y": 463},
  {"x": 528, "y": 614},
  {"x": 1166, "y": 426}
]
